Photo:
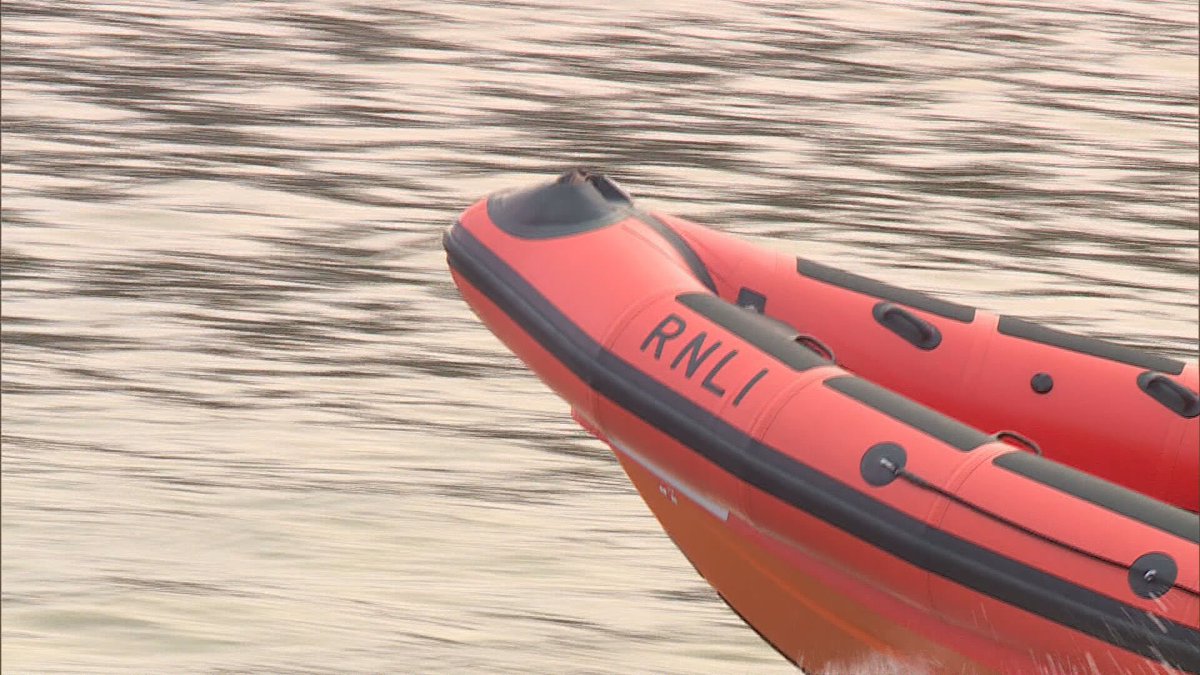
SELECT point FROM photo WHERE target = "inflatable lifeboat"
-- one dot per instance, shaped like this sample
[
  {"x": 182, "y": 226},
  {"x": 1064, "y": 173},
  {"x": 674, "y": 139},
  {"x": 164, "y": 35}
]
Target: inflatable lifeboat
[{"x": 862, "y": 472}]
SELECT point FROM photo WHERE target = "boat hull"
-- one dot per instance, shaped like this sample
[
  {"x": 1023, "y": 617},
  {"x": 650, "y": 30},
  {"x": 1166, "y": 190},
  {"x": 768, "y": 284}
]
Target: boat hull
[{"x": 763, "y": 460}]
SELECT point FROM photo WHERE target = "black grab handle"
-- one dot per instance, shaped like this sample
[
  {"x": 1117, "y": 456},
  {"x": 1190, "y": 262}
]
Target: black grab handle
[
  {"x": 1176, "y": 397},
  {"x": 815, "y": 344},
  {"x": 1023, "y": 440},
  {"x": 916, "y": 331}
]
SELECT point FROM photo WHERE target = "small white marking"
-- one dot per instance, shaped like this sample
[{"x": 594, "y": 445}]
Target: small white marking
[
  {"x": 668, "y": 492},
  {"x": 669, "y": 483}
]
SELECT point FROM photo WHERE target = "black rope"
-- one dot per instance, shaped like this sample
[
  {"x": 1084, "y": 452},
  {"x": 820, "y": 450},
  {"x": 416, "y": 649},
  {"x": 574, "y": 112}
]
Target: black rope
[{"x": 917, "y": 481}]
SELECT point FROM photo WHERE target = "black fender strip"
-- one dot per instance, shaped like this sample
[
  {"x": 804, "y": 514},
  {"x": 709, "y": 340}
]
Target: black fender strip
[
  {"x": 1112, "y": 351},
  {"x": 946, "y": 429},
  {"x": 878, "y": 289},
  {"x": 1134, "y": 505},
  {"x": 757, "y": 329}
]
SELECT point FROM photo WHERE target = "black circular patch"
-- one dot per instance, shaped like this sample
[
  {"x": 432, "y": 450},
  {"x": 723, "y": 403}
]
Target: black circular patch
[
  {"x": 882, "y": 462},
  {"x": 1042, "y": 383},
  {"x": 1152, "y": 575}
]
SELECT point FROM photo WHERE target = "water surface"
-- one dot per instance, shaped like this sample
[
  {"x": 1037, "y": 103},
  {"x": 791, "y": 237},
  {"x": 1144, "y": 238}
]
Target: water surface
[{"x": 247, "y": 423}]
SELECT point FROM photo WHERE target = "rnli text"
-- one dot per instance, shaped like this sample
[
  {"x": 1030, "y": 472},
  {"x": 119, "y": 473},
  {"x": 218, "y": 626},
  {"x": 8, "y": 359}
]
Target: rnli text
[{"x": 694, "y": 351}]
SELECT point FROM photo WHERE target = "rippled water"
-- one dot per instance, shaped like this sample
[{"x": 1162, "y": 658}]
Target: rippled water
[{"x": 247, "y": 423}]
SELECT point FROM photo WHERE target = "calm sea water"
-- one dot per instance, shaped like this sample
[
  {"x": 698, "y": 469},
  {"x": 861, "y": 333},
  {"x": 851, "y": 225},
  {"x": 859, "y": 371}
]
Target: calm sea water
[{"x": 249, "y": 426}]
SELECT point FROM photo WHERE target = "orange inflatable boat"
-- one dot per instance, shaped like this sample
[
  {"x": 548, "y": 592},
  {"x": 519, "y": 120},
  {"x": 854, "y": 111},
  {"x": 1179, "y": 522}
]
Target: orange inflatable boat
[{"x": 851, "y": 508}]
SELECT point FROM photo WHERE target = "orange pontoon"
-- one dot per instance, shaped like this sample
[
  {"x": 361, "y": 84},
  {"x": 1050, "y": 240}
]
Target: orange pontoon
[{"x": 837, "y": 507}]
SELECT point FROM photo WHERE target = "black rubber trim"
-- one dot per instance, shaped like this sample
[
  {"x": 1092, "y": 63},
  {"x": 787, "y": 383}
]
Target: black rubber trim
[
  {"x": 681, "y": 246},
  {"x": 766, "y": 334},
  {"x": 573, "y": 203},
  {"x": 1134, "y": 505},
  {"x": 1112, "y": 351},
  {"x": 817, "y": 494},
  {"x": 878, "y": 289},
  {"x": 945, "y": 429}
]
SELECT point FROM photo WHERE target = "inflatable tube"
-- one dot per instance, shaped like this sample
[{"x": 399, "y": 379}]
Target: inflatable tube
[
  {"x": 1118, "y": 413},
  {"x": 840, "y": 519}
]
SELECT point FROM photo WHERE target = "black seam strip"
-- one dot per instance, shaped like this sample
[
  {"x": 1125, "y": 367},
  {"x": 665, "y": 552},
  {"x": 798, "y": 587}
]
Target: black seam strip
[
  {"x": 1020, "y": 328},
  {"x": 681, "y": 246},
  {"x": 1133, "y": 505},
  {"x": 754, "y": 328},
  {"x": 817, "y": 494},
  {"x": 878, "y": 289},
  {"x": 946, "y": 429}
]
